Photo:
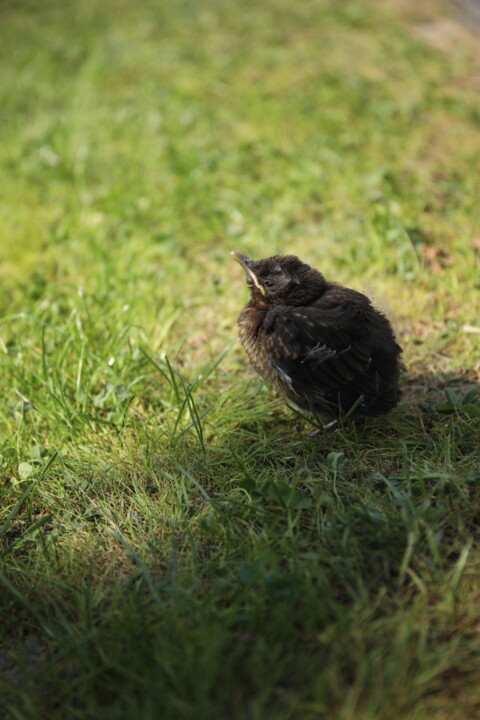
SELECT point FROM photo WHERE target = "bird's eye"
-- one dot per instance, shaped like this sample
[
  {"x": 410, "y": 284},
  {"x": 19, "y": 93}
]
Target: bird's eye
[{"x": 268, "y": 283}]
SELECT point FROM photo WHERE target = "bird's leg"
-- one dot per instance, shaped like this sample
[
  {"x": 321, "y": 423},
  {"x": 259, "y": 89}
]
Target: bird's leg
[
  {"x": 329, "y": 423},
  {"x": 321, "y": 421}
]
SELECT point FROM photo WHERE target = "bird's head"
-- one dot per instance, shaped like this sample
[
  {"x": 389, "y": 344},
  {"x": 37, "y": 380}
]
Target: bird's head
[{"x": 281, "y": 279}]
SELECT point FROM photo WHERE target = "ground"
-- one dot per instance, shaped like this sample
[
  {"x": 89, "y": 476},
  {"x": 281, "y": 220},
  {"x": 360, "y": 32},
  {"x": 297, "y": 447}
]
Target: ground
[{"x": 175, "y": 542}]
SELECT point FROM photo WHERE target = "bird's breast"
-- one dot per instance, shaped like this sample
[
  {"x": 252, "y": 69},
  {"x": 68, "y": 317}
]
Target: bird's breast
[
  {"x": 254, "y": 340},
  {"x": 252, "y": 337}
]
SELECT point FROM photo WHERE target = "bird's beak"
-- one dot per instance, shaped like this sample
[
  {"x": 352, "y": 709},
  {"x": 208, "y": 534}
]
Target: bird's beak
[
  {"x": 242, "y": 259},
  {"x": 247, "y": 263}
]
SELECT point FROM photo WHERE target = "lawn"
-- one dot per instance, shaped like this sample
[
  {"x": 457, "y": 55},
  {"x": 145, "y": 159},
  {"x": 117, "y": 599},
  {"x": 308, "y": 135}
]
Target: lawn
[{"x": 174, "y": 541}]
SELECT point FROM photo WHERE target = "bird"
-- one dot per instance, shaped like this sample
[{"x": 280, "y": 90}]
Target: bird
[{"x": 322, "y": 346}]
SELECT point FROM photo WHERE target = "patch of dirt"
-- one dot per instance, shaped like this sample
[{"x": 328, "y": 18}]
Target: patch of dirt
[
  {"x": 452, "y": 28},
  {"x": 26, "y": 654}
]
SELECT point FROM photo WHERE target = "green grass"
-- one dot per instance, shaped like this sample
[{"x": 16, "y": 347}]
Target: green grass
[{"x": 173, "y": 541}]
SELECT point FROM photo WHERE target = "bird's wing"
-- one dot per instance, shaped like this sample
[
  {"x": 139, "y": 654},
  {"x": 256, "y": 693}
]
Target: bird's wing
[{"x": 317, "y": 350}]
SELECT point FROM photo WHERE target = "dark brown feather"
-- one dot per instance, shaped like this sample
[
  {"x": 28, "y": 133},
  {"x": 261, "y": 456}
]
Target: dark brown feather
[{"x": 323, "y": 346}]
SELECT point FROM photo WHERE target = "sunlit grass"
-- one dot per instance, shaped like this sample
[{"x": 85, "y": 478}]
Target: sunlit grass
[{"x": 174, "y": 541}]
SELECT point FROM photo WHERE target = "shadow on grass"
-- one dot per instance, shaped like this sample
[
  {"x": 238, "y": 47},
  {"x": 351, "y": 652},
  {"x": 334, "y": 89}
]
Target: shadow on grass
[{"x": 299, "y": 568}]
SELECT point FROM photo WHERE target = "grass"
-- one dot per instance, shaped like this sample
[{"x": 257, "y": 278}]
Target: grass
[{"x": 173, "y": 542}]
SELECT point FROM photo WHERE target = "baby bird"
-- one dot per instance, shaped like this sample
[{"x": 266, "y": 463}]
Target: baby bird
[{"x": 322, "y": 346}]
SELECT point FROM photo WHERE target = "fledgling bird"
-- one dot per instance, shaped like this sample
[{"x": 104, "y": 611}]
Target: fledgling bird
[{"x": 321, "y": 345}]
